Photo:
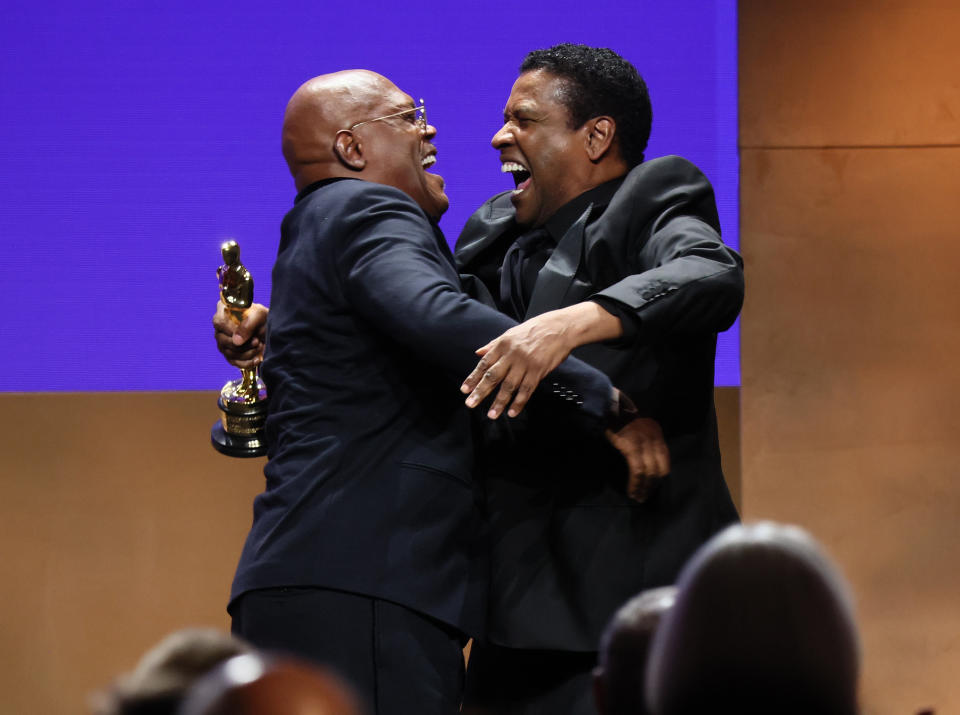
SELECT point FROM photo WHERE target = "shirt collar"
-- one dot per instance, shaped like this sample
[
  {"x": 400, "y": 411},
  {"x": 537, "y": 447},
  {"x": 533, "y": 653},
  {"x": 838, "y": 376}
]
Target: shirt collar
[
  {"x": 561, "y": 221},
  {"x": 310, "y": 188}
]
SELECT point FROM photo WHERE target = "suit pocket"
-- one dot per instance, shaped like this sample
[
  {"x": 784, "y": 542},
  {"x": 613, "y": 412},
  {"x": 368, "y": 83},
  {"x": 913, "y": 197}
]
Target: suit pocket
[{"x": 465, "y": 480}]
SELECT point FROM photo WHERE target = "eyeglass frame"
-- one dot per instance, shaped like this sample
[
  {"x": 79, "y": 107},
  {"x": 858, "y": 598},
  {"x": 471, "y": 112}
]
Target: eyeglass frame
[{"x": 420, "y": 123}]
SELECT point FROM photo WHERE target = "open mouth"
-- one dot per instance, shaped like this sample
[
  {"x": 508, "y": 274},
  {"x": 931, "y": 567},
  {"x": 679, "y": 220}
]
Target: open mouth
[
  {"x": 521, "y": 176},
  {"x": 428, "y": 161}
]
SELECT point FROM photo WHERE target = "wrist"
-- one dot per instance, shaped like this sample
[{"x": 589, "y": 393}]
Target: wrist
[
  {"x": 620, "y": 411},
  {"x": 589, "y": 322}
]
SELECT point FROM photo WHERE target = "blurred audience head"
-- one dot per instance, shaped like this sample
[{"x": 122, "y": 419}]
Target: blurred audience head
[
  {"x": 763, "y": 623},
  {"x": 256, "y": 684},
  {"x": 624, "y": 649},
  {"x": 165, "y": 673}
]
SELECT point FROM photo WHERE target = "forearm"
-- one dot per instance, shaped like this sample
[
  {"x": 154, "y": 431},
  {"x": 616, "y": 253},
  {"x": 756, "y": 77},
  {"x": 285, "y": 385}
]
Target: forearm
[{"x": 588, "y": 322}]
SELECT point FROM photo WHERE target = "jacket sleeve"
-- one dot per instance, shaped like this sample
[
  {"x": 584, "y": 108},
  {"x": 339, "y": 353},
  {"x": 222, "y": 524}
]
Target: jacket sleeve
[
  {"x": 684, "y": 279},
  {"x": 396, "y": 277}
]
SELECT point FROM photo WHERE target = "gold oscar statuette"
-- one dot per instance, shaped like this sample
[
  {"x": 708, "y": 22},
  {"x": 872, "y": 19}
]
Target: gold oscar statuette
[{"x": 243, "y": 402}]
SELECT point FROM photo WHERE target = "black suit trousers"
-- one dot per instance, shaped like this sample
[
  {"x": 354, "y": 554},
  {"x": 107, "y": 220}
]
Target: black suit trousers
[
  {"x": 400, "y": 661},
  {"x": 511, "y": 681}
]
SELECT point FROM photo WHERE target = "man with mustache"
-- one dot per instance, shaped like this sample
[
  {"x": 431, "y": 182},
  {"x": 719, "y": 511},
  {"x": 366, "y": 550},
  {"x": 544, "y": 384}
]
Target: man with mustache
[
  {"x": 364, "y": 548},
  {"x": 619, "y": 260}
]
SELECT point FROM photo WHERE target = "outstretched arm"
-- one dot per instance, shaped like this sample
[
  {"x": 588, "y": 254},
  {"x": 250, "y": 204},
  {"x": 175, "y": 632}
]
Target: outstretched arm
[
  {"x": 679, "y": 278},
  {"x": 687, "y": 281},
  {"x": 396, "y": 277}
]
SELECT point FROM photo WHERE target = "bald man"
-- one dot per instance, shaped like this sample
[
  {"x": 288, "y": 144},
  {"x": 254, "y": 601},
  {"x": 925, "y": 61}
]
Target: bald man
[
  {"x": 618, "y": 678},
  {"x": 365, "y": 546}
]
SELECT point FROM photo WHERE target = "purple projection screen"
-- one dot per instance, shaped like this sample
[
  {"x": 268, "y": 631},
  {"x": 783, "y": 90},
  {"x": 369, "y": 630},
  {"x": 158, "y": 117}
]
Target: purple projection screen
[{"x": 136, "y": 137}]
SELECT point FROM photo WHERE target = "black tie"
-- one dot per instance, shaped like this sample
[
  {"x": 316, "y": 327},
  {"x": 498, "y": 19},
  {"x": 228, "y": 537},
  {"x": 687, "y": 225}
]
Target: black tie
[{"x": 512, "y": 295}]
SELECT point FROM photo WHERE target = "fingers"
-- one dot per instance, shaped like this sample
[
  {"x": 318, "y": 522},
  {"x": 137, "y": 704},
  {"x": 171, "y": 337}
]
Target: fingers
[
  {"x": 512, "y": 383},
  {"x": 222, "y": 324},
  {"x": 646, "y": 453},
  {"x": 637, "y": 487},
  {"x": 649, "y": 460},
  {"x": 254, "y": 323},
  {"x": 246, "y": 359},
  {"x": 656, "y": 453},
  {"x": 515, "y": 383},
  {"x": 524, "y": 392},
  {"x": 483, "y": 372},
  {"x": 484, "y": 379},
  {"x": 241, "y": 344},
  {"x": 661, "y": 458},
  {"x": 516, "y": 365},
  {"x": 473, "y": 379}
]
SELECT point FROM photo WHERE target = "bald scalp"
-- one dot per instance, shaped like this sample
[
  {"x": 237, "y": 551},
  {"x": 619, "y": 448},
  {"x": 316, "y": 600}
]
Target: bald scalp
[{"x": 319, "y": 109}]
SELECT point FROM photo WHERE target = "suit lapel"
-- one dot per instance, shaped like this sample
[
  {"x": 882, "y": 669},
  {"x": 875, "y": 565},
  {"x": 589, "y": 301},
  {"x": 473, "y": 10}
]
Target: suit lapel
[
  {"x": 483, "y": 229},
  {"x": 443, "y": 246},
  {"x": 554, "y": 279}
]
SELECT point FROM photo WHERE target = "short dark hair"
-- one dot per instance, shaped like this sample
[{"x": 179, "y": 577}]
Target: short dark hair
[{"x": 600, "y": 82}]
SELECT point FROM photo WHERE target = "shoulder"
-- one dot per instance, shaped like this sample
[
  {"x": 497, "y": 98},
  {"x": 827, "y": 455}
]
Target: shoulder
[
  {"x": 359, "y": 197},
  {"x": 661, "y": 189},
  {"x": 664, "y": 172}
]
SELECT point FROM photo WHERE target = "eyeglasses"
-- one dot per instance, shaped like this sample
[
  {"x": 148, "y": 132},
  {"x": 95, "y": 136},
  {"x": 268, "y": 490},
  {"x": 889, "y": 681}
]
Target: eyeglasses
[{"x": 419, "y": 118}]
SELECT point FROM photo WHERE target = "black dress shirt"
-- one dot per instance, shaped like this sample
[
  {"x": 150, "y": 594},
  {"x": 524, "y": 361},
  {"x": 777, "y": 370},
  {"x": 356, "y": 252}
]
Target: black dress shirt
[{"x": 538, "y": 245}]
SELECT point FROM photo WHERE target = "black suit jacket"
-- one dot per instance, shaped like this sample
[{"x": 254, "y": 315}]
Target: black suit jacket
[
  {"x": 568, "y": 548},
  {"x": 369, "y": 483}
]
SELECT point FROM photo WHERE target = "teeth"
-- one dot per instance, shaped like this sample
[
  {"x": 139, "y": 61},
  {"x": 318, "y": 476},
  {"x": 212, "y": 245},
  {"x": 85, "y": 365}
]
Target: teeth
[
  {"x": 508, "y": 167},
  {"x": 429, "y": 161}
]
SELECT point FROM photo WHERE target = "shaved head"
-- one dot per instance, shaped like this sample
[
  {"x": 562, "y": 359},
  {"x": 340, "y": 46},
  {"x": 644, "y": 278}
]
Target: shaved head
[
  {"x": 321, "y": 140},
  {"x": 319, "y": 109}
]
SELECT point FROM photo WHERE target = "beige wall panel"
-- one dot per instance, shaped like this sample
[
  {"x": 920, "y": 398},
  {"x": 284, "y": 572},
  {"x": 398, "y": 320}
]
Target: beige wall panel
[
  {"x": 728, "y": 425},
  {"x": 851, "y": 391},
  {"x": 120, "y": 524},
  {"x": 849, "y": 72}
]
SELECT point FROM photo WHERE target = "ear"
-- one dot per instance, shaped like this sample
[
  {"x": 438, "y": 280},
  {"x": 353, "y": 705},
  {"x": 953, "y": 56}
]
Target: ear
[
  {"x": 600, "y": 132},
  {"x": 349, "y": 150}
]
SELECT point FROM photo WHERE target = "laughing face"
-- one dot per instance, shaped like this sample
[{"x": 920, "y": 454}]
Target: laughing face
[
  {"x": 546, "y": 157},
  {"x": 401, "y": 153}
]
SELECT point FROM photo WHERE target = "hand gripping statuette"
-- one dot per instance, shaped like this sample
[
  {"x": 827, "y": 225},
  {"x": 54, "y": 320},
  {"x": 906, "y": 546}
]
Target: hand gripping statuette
[{"x": 243, "y": 402}]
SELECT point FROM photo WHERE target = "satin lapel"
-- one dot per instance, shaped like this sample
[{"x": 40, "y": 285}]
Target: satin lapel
[
  {"x": 481, "y": 232},
  {"x": 554, "y": 279}
]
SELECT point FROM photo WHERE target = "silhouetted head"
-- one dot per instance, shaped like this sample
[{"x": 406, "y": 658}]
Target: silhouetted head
[
  {"x": 763, "y": 623},
  {"x": 263, "y": 685},
  {"x": 166, "y": 672},
  {"x": 354, "y": 124},
  {"x": 618, "y": 679}
]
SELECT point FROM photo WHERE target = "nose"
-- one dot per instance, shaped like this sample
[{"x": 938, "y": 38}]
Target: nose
[
  {"x": 430, "y": 131},
  {"x": 502, "y": 138}
]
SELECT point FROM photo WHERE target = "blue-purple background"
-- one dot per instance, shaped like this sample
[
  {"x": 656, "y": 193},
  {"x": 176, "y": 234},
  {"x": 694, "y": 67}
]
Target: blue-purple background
[{"x": 136, "y": 136}]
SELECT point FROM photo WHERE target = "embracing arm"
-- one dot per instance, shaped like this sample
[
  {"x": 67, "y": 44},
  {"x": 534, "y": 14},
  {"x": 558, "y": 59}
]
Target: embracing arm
[
  {"x": 681, "y": 279},
  {"x": 396, "y": 277},
  {"x": 690, "y": 283}
]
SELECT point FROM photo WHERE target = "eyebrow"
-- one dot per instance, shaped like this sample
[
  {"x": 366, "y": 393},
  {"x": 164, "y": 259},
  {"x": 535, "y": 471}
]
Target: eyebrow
[{"x": 519, "y": 108}]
